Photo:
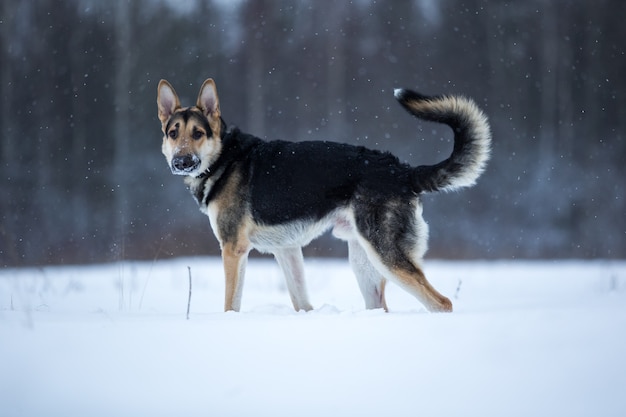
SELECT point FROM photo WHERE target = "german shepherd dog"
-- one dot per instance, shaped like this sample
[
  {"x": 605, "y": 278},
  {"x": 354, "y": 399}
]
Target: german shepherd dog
[{"x": 277, "y": 196}]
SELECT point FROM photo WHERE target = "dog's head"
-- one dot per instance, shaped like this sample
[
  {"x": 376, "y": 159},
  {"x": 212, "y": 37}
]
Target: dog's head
[{"x": 192, "y": 135}]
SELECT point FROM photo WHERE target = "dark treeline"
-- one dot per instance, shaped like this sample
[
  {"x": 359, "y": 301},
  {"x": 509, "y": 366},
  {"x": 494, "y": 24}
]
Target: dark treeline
[{"x": 83, "y": 179}]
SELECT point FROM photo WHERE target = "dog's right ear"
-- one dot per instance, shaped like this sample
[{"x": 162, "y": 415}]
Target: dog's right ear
[{"x": 167, "y": 101}]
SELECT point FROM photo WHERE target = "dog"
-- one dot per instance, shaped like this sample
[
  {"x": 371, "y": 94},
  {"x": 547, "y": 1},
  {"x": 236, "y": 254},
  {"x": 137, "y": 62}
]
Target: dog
[{"x": 277, "y": 196}]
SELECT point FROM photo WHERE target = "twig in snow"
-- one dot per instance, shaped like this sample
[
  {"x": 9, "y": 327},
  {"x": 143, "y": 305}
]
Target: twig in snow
[
  {"x": 613, "y": 283},
  {"x": 189, "y": 298},
  {"x": 458, "y": 289}
]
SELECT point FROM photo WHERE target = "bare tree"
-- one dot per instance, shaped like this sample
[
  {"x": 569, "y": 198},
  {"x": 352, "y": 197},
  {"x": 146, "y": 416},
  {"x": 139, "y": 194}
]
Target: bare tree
[
  {"x": 121, "y": 132},
  {"x": 257, "y": 34}
]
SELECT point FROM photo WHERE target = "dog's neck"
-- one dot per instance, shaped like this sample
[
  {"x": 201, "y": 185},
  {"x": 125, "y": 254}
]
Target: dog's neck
[{"x": 211, "y": 169}]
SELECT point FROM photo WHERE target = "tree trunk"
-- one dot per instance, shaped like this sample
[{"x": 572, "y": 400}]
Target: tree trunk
[
  {"x": 254, "y": 19},
  {"x": 121, "y": 131}
]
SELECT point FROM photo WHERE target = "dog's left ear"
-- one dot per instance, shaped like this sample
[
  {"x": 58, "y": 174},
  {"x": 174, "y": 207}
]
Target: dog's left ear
[{"x": 207, "y": 99}]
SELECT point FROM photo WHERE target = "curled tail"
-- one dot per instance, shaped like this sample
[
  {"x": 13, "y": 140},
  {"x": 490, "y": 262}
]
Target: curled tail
[{"x": 472, "y": 140}]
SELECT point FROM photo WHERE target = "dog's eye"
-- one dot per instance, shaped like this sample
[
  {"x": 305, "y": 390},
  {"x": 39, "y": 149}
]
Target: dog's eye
[
  {"x": 172, "y": 134},
  {"x": 197, "y": 134}
]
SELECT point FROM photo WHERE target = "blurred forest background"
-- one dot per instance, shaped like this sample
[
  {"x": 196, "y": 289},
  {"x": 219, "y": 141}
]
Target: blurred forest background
[{"x": 83, "y": 179}]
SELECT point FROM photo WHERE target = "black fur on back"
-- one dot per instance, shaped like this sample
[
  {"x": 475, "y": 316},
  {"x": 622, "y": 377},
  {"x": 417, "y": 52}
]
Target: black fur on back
[{"x": 306, "y": 180}]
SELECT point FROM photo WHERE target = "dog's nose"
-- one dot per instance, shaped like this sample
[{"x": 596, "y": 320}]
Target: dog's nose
[{"x": 185, "y": 163}]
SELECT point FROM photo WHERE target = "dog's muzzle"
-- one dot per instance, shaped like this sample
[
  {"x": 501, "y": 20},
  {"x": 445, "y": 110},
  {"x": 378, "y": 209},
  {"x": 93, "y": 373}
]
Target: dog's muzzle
[{"x": 184, "y": 165}]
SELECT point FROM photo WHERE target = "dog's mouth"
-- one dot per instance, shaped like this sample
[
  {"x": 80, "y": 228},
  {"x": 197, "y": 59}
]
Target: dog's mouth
[{"x": 185, "y": 164}]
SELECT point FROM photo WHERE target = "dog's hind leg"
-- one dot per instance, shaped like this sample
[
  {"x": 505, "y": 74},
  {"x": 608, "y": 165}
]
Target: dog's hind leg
[
  {"x": 406, "y": 272},
  {"x": 292, "y": 265},
  {"x": 413, "y": 280},
  {"x": 393, "y": 236},
  {"x": 371, "y": 282}
]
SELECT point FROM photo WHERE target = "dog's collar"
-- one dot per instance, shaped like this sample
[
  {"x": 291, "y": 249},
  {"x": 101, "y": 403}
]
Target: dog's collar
[{"x": 204, "y": 175}]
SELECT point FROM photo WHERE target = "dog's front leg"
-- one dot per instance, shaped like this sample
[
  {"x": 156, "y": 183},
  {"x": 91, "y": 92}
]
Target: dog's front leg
[
  {"x": 235, "y": 258},
  {"x": 292, "y": 265}
]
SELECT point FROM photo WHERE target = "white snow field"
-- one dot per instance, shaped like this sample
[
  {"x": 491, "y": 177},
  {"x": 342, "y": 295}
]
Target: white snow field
[{"x": 526, "y": 339}]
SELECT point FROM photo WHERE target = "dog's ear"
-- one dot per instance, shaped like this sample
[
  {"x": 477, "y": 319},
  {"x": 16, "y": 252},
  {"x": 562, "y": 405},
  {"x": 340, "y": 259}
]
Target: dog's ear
[
  {"x": 167, "y": 101},
  {"x": 207, "y": 99}
]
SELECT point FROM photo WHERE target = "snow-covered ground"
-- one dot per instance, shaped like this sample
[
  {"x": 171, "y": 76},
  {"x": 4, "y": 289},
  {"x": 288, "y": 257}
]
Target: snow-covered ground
[{"x": 526, "y": 339}]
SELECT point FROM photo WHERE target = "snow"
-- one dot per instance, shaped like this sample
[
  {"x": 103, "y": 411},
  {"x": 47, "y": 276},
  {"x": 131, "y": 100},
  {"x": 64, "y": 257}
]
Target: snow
[{"x": 526, "y": 339}]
